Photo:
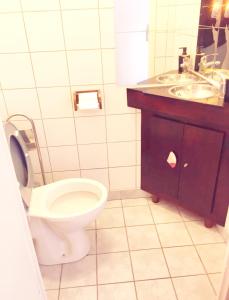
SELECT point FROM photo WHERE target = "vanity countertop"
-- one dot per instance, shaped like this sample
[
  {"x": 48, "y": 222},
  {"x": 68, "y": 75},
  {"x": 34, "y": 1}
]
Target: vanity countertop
[{"x": 163, "y": 91}]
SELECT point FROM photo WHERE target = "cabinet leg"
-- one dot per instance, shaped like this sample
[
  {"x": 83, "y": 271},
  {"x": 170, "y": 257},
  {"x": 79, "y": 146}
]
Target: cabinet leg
[
  {"x": 155, "y": 199},
  {"x": 209, "y": 223}
]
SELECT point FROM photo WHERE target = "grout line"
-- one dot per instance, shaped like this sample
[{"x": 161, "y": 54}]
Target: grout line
[
  {"x": 158, "y": 236},
  {"x": 194, "y": 245},
  {"x": 69, "y": 81},
  {"x": 36, "y": 89},
  {"x": 129, "y": 251},
  {"x": 61, "y": 271},
  {"x": 104, "y": 104}
]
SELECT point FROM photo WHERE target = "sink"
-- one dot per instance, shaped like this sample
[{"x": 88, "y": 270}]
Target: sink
[
  {"x": 177, "y": 78},
  {"x": 215, "y": 74},
  {"x": 194, "y": 91}
]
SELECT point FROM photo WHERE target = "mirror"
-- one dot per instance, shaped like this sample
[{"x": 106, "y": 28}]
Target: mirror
[
  {"x": 148, "y": 35},
  {"x": 213, "y": 33}
]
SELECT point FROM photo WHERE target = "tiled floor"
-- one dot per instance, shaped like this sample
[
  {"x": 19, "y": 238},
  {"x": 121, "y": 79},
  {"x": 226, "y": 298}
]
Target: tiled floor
[{"x": 142, "y": 251}]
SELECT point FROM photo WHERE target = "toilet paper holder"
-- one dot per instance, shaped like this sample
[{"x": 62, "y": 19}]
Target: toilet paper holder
[{"x": 76, "y": 99}]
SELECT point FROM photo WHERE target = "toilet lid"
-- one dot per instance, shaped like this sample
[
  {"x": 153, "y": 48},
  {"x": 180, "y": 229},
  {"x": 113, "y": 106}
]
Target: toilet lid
[{"x": 21, "y": 161}]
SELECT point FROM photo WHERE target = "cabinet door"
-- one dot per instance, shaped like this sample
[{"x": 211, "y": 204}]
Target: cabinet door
[
  {"x": 160, "y": 137},
  {"x": 200, "y": 162}
]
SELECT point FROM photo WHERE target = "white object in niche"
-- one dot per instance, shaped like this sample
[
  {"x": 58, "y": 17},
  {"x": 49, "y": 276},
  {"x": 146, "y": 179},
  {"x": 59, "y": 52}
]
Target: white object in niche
[{"x": 85, "y": 100}]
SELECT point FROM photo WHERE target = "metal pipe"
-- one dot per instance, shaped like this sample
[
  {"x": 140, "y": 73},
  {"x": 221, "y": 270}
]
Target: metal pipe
[{"x": 36, "y": 141}]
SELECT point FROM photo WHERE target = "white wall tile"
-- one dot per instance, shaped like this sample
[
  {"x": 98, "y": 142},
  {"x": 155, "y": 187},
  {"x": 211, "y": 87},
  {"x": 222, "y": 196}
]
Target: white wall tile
[
  {"x": 50, "y": 69},
  {"x": 93, "y": 156},
  {"x": 44, "y": 31},
  {"x": 91, "y": 130},
  {"x": 3, "y": 111},
  {"x": 81, "y": 29},
  {"x": 121, "y": 128},
  {"x": 10, "y": 6},
  {"x": 116, "y": 100},
  {"x": 65, "y": 175},
  {"x": 16, "y": 71},
  {"x": 33, "y": 5},
  {"x": 100, "y": 175},
  {"x": 162, "y": 18},
  {"x": 79, "y": 4},
  {"x": 138, "y": 126},
  {"x": 121, "y": 154},
  {"x": 12, "y": 33},
  {"x": 60, "y": 132},
  {"x": 123, "y": 178},
  {"x": 109, "y": 67},
  {"x": 138, "y": 177},
  {"x": 55, "y": 102},
  {"x": 23, "y": 101},
  {"x": 64, "y": 158},
  {"x": 138, "y": 152},
  {"x": 45, "y": 159},
  {"x": 85, "y": 67},
  {"x": 106, "y": 3},
  {"x": 107, "y": 28},
  {"x": 40, "y": 133}
]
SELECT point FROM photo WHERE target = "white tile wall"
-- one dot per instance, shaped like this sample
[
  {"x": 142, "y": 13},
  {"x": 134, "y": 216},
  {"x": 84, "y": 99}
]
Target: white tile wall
[
  {"x": 44, "y": 31},
  {"x": 60, "y": 132},
  {"x": 81, "y": 29},
  {"x": 51, "y": 48},
  {"x": 93, "y": 156},
  {"x": 13, "y": 38},
  {"x": 91, "y": 130},
  {"x": 50, "y": 69}
]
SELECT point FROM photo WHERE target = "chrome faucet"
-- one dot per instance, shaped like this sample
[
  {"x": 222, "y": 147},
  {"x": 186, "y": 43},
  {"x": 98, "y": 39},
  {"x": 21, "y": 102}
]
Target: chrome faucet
[{"x": 204, "y": 64}]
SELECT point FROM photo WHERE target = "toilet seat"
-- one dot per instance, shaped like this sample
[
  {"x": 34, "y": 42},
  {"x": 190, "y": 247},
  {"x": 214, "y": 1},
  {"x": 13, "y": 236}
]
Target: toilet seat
[{"x": 43, "y": 198}]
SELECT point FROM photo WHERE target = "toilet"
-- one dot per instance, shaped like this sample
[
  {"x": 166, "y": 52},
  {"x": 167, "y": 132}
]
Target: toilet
[{"x": 59, "y": 212}]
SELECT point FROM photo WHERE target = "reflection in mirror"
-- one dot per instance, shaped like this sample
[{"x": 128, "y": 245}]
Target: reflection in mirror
[
  {"x": 213, "y": 34},
  {"x": 149, "y": 34}
]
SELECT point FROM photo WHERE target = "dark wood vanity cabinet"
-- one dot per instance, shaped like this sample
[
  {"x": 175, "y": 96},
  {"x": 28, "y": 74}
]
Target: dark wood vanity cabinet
[
  {"x": 192, "y": 180},
  {"x": 198, "y": 135}
]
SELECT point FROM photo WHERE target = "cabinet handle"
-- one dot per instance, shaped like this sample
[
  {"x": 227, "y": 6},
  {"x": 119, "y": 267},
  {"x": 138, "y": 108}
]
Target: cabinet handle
[
  {"x": 185, "y": 165},
  {"x": 172, "y": 159}
]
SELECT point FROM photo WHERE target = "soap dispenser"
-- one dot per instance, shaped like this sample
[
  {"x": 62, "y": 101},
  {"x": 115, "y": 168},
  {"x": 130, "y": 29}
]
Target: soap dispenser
[{"x": 181, "y": 59}]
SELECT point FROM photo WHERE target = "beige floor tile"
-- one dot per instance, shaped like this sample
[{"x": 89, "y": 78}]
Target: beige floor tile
[
  {"x": 112, "y": 217},
  {"x": 143, "y": 237},
  {"x": 80, "y": 273},
  {"x": 215, "y": 280},
  {"x": 193, "y": 288},
  {"x": 165, "y": 212},
  {"x": 114, "y": 203},
  {"x": 82, "y": 293},
  {"x": 138, "y": 215},
  {"x": 52, "y": 294},
  {"x": 212, "y": 256},
  {"x": 111, "y": 240},
  {"x": 92, "y": 237},
  {"x": 114, "y": 267},
  {"x": 183, "y": 261},
  {"x": 173, "y": 234},
  {"x": 134, "y": 202},
  {"x": 117, "y": 291},
  {"x": 160, "y": 289},
  {"x": 188, "y": 215},
  {"x": 51, "y": 276},
  {"x": 149, "y": 264},
  {"x": 202, "y": 235}
]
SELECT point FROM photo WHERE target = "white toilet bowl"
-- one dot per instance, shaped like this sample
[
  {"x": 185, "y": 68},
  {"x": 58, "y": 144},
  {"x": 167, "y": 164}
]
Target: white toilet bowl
[{"x": 59, "y": 212}]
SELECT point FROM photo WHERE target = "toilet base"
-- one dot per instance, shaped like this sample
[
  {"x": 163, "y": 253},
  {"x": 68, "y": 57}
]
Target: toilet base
[{"x": 54, "y": 247}]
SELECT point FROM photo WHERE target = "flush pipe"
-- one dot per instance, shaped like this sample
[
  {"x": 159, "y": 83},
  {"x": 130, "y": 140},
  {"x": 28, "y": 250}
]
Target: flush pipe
[{"x": 36, "y": 141}]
